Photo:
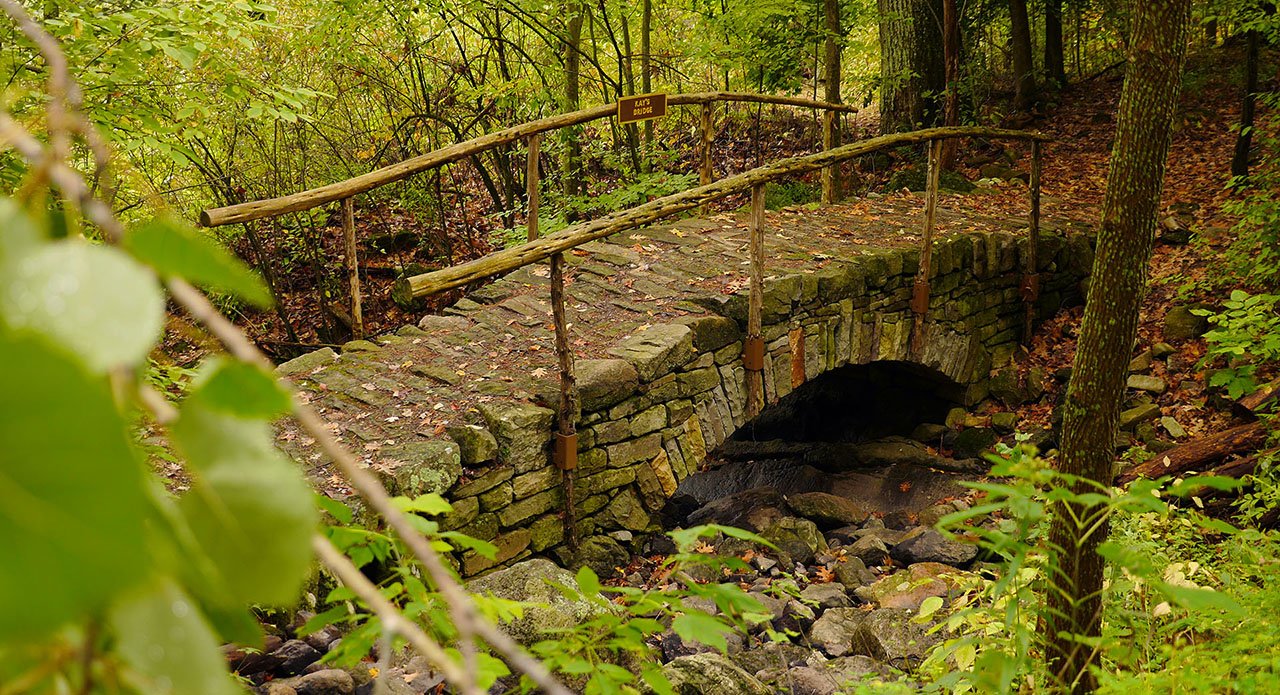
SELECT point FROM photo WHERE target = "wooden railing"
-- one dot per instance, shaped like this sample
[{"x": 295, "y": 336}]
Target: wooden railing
[{"x": 531, "y": 133}]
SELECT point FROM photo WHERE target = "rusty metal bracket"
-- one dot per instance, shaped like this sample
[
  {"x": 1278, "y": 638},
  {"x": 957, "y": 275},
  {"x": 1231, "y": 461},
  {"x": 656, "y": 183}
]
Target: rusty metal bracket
[
  {"x": 565, "y": 451},
  {"x": 753, "y": 354},
  {"x": 920, "y": 297},
  {"x": 1030, "y": 288}
]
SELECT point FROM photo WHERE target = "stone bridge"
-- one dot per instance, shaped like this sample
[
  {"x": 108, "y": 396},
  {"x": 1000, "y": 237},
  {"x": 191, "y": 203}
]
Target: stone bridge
[{"x": 463, "y": 403}]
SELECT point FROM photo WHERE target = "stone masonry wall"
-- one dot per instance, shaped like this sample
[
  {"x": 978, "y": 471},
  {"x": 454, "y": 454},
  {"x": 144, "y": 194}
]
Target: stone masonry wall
[{"x": 670, "y": 393}]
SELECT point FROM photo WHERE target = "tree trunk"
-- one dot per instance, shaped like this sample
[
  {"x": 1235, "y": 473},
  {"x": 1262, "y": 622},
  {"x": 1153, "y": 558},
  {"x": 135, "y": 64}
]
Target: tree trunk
[
  {"x": 646, "y": 83},
  {"x": 1055, "y": 65},
  {"x": 951, "y": 63},
  {"x": 1244, "y": 139},
  {"x": 572, "y": 165},
  {"x": 1092, "y": 408},
  {"x": 1024, "y": 76},
  {"x": 831, "y": 77},
  {"x": 910, "y": 63}
]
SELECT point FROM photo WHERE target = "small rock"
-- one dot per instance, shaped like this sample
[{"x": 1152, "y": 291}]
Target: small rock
[
  {"x": 710, "y": 674},
  {"x": 852, "y": 572},
  {"x": 930, "y": 516},
  {"x": 827, "y": 509},
  {"x": 603, "y": 555},
  {"x": 807, "y": 680},
  {"x": 1162, "y": 350},
  {"x": 1133, "y": 416},
  {"x": 1141, "y": 363},
  {"x": 777, "y": 655},
  {"x": 476, "y": 444},
  {"x": 1150, "y": 384},
  {"x": 928, "y": 433},
  {"x": 834, "y": 632},
  {"x": 1181, "y": 324},
  {"x": 797, "y": 540},
  {"x": 1004, "y": 423},
  {"x": 329, "y": 681},
  {"x": 752, "y": 509},
  {"x": 796, "y": 617},
  {"x": 764, "y": 563},
  {"x": 973, "y": 442},
  {"x": 1172, "y": 427},
  {"x": 956, "y": 418},
  {"x": 932, "y": 546},
  {"x": 891, "y": 636},
  {"x": 869, "y": 550},
  {"x": 826, "y": 596},
  {"x": 294, "y": 656}
]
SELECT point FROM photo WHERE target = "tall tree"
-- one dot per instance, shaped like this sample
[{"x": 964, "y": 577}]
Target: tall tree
[
  {"x": 1092, "y": 410},
  {"x": 911, "y": 67},
  {"x": 1024, "y": 76},
  {"x": 831, "y": 80},
  {"x": 951, "y": 65},
  {"x": 1055, "y": 66},
  {"x": 572, "y": 74},
  {"x": 1244, "y": 137}
]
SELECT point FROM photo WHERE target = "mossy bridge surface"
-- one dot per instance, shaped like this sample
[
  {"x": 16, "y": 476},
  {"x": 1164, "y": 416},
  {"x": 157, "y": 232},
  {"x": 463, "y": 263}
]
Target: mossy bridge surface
[{"x": 464, "y": 404}]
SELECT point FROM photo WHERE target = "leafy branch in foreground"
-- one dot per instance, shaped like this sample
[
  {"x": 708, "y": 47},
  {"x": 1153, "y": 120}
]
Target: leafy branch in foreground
[{"x": 110, "y": 583}]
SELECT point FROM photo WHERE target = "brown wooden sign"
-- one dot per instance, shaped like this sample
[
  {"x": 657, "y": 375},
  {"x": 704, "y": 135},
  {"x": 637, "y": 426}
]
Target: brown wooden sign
[{"x": 642, "y": 107}]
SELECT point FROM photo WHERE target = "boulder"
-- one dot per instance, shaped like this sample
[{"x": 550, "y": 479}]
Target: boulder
[
  {"x": 603, "y": 555},
  {"x": 908, "y": 588},
  {"x": 710, "y": 674},
  {"x": 771, "y": 655},
  {"x": 889, "y": 635},
  {"x": 533, "y": 581},
  {"x": 973, "y": 441},
  {"x": 835, "y": 631},
  {"x": 869, "y": 550},
  {"x": 826, "y": 509},
  {"x": 329, "y": 681},
  {"x": 932, "y": 546},
  {"x": 797, "y": 540},
  {"x": 1181, "y": 324},
  {"x": 753, "y": 509}
]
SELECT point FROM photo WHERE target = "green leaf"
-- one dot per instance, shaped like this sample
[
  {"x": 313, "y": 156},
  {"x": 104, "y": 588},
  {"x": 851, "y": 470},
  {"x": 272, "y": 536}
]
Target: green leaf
[
  {"x": 239, "y": 388},
  {"x": 588, "y": 582},
  {"x": 430, "y": 504},
  {"x": 250, "y": 509},
  {"x": 928, "y": 607},
  {"x": 169, "y": 647},
  {"x": 72, "y": 497},
  {"x": 94, "y": 300},
  {"x": 657, "y": 681},
  {"x": 699, "y": 627},
  {"x": 339, "y": 511},
  {"x": 173, "y": 247},
  {"x": 462, "y": 541}
]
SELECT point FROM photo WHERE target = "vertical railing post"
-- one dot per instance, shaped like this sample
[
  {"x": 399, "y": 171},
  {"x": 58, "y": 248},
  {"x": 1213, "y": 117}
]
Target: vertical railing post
[
  {"x": 531, "y": 185},
  {"x": 753, "y": 346},
  {"x": 1031, "y": 263},
  {"x": 565, "y": 452},
  {"x": 920, "y": 289},
  {"x": 830, "y": 140},
  {"x": 353, "y": 265},
  {"x": 704, "y": 146}
]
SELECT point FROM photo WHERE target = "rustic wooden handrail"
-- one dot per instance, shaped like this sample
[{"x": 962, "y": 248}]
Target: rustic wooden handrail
[
  {"x": 501, "y": 262},
  {"x": 315, "y": 197}
]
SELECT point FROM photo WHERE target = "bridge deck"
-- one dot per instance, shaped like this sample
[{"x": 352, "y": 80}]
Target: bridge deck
[{"x": 498, "y": 344}]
